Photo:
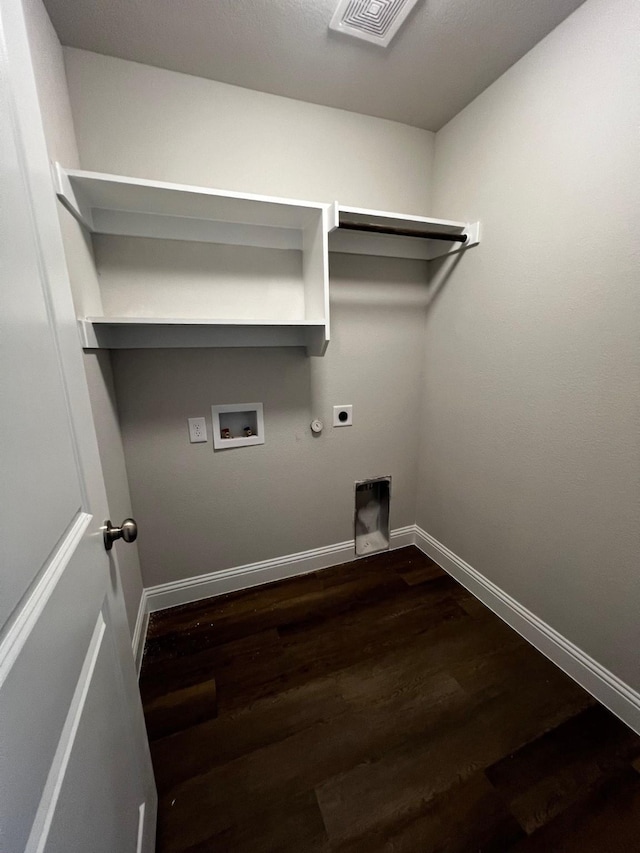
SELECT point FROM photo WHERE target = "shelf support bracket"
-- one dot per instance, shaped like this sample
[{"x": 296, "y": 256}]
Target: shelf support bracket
[{"x": 71, "y": 199}]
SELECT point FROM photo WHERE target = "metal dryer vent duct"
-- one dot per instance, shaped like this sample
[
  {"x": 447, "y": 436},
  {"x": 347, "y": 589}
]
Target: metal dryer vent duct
[
  {"x": 371, "y": 516},
  {"x": 375, "y": 21}
]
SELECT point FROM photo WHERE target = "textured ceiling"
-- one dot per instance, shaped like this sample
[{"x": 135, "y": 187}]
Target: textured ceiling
[{"x": 446, "y": 53}]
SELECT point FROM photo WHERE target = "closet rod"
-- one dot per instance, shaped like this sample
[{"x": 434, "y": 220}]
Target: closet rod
[{"x": 401, "y": 232}]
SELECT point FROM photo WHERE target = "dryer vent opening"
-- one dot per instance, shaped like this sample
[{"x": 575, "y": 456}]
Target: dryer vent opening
[{"x": 371, "y": 516}]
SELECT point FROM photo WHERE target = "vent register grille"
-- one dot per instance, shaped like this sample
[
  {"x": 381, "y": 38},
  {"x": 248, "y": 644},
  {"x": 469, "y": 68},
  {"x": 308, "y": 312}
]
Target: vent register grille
[{"x": 375, "y": 21}]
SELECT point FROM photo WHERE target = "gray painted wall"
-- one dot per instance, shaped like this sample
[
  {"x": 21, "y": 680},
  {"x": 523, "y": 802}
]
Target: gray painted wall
[
  {"x": 61, "y": 143},
  {"x": 200, "y": 511},
  {"x": 530, "y": 450},
  {"x": 132, "y": 119}
]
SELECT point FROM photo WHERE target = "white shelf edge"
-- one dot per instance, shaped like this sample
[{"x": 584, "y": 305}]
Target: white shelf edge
[
  {"x": 411, "y": 219},
  {"x": 65, "y": 189},
  {"x": 191, "y": 188},
  {"x": 147, "y": 333},
  {"x": 333, "y": 217},
  {"x": 195, "y": 321}
]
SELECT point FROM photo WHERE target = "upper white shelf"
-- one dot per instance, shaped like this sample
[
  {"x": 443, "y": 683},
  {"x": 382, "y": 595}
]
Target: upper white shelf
[
  {"x": 134, "y": 207},
  {"x": 376, "y": 232}
]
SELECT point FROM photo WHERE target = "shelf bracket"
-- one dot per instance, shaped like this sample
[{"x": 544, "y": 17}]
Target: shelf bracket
[{"x": 71, "y": 198}]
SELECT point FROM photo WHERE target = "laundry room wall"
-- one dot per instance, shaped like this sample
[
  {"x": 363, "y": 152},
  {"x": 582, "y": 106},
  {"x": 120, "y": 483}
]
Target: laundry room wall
[
  {"x": 530, "y": 458},
  {"x": 201, "y": 511}
]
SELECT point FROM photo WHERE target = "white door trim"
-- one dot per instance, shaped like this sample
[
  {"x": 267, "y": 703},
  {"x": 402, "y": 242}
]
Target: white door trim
[
  {"x": 49, "y": 800},
  {"x": 18, "y": 632}
]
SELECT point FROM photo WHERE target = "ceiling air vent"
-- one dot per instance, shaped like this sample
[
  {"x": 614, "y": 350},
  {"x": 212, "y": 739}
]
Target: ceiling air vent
[{"x": 376, "y": 21}]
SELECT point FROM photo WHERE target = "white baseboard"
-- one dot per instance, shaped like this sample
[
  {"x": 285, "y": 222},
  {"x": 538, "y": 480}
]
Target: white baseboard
[
  {"x": 243, "y": 577},
  {"x": 596, "y": 679},
  {"x": 600, "y": 682}
]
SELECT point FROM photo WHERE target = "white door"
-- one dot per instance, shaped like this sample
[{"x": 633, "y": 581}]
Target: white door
[{"x": 75, "y": 772}]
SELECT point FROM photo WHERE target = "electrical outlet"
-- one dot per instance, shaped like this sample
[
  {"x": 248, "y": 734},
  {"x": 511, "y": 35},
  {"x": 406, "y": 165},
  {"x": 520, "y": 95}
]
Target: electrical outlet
[
  {"x": 197, "y": 430},
  {"x": 343, "y": 415}
]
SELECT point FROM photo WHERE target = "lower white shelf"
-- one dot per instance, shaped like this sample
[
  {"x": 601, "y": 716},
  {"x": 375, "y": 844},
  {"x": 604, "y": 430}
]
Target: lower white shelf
[{"x": 153, "y": 332}]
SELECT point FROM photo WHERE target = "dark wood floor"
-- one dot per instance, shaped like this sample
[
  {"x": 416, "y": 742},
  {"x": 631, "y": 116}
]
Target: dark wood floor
[{"x": 376, "y": 706}]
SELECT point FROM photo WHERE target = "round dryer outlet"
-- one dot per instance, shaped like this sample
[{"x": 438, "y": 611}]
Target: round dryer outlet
[{"x": 343, "y": 415}]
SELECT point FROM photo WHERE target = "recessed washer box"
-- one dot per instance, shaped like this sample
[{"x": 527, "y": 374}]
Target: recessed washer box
[{"x": 237, "y": 420}]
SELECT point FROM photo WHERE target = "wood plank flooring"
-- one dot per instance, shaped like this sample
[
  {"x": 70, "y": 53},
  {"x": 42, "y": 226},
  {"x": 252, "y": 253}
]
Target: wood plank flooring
[{"x": 376, "y": 706}]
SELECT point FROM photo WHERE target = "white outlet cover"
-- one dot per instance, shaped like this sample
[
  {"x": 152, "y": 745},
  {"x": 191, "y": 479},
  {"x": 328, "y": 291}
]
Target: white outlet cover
[
  {"x": 197, "y": 430},
  {"x": 339, "y": 411}
]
